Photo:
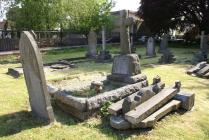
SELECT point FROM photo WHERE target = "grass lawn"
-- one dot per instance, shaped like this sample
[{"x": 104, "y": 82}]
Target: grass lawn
[{"x": 17, "y": 123}]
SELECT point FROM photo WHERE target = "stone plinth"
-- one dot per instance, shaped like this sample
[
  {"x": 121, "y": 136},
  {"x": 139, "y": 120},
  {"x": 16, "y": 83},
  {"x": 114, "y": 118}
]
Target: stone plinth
[{"x": 125, "y": 67}]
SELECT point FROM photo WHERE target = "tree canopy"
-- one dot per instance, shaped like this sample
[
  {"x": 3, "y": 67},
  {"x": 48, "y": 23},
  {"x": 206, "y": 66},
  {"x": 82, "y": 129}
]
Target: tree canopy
[
  {"x": 162, "y": 15},
  {"x": 75, "y": 15}
]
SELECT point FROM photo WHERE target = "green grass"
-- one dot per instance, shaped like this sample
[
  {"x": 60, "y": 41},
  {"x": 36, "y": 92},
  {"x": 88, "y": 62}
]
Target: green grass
[{"x": 17, "y": 123}]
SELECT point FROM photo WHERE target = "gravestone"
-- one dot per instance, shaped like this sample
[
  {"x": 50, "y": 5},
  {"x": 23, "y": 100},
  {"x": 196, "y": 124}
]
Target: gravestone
[
  {"x": 92, "y": 43},
  {"x": 104, "y": 55},
  {"x": 150, "y": 52},
  {"x": 202, "y": 55},
  {"x": 163, "y": 43},
  {"x": 125, "y": 65},
  {"x": 34, "y": 76},
  {"x": 167, "y": 57}
]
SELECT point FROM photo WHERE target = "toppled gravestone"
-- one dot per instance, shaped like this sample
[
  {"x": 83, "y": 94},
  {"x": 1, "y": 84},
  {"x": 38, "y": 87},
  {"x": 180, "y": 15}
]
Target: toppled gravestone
[
  {"x": 15, "y": 72},
  {"x": 200, "y": 70},
  {"x": 34, "y": 77},
  {"x": 167, "y": 57},
  {"x": 147, "y": 109}
]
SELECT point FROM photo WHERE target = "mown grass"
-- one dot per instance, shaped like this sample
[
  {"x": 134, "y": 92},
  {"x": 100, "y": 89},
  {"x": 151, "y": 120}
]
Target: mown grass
[{"x": 17, "y": 123}]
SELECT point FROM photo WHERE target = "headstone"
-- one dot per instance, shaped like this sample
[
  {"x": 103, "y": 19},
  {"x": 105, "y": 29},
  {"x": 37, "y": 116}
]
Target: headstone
[
  {"x": 167, "y": 57},
  {"x": 125, "y": 65},
  {"x": 34, "y": 76},
  {"x": 92, "y": 43},
  {"x": 150, "y": 52},
  {"x": 163, "y": 43},
  {"x": 202, "y": 55}
]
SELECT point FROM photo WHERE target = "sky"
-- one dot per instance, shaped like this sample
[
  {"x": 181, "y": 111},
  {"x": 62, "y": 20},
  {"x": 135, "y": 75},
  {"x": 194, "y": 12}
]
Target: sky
[
  {"x": 126, "y": 4},
  {"x": 121, "y": 5}
]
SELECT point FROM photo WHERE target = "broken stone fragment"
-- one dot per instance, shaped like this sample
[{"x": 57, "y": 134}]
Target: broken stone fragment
[
  {"x": 187, "y": 100},
  {"x": 119, "y": 122}
]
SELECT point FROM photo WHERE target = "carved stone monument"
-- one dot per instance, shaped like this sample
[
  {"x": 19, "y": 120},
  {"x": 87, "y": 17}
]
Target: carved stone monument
[
  {"x": 126, "y": 65},
  {"x": 34, "y": 77},
  {"x": 104, "y": 55},
  {"x": 92, "y": 43},
  {"x": 163, "y": 43},
  {"x": 150, "y": 52},
  {"x": 202, "y": 55}
]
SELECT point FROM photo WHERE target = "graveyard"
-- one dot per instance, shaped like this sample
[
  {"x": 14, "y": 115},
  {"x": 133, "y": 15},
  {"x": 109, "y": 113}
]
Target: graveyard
[
  {"x": 14, "y": 100},
  {"x": 83, "y": 70}
]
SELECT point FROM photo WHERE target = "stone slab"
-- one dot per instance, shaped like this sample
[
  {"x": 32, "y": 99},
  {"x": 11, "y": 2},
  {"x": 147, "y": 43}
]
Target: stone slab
[
  {"x": 150, "y": 106},
  {"x": 152, "y": 119},
  {"x": 197, "y": 67},
  {"x": 127, "y": 79},
  {"x": 187, "y": 100},
  {"x": 116, "y": 108},
  {"x": 76, "y": 102},
  {"x": 115, "y": 95},
  {"x": 81, "y": 115},
  {"x": 34, "y": 77},
  {"x": 203, "y": 71}
]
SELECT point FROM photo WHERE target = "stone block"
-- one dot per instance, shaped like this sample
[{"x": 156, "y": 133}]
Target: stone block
[
  {"x": 150, "y": 106},
  {"x": 152, "y": 119},
  {"x": 127, "y": 79},
  {"x": 119, "y": 122},
  {"x": 187, "y": 100},
  {"x": 197, "y": 68},
  {"x": 203, "y": 71},
  {"x": 126, "y": 65},
  {"x": 114, "y": 95},
  {"x": 15, "y": 72}
]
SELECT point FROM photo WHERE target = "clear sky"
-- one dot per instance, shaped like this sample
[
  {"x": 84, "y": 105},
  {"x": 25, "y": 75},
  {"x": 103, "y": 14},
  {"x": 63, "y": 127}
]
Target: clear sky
[{"x": 126, "y": 4}]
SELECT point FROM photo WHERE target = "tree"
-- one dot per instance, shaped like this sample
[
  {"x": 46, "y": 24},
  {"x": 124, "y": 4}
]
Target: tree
[
  {"x": 36, "y": 15},
  {"x": 82, "y": 15},
  {"x": 163, "y": 15}
]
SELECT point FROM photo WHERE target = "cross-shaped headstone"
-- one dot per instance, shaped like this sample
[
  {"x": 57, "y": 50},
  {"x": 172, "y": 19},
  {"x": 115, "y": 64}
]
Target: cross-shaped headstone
[{"x": 125, "y": 22}]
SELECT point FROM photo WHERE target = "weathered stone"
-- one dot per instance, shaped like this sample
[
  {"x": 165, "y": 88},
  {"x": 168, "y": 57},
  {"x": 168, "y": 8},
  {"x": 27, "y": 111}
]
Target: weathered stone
[
  {"x": 150, "y": 50},
  {"x": 52, "y": 90},
  {"x": 34, "y": 76},
  {"x": 115, "y": 95},
  {"x": 119, "y": 122},
  {"x": 203, "y": 71},
  {"x": 104, "y": 56},
  {"x": 150, "y": 106},
  {"x": 97, "y": 86},
  {"x": 59, "y": 66},
  {"x": 116, "y": 108},
  {"x": 197, "y": 67},
  {"x": 92, "y": 43},
  {"x": 187, "y": 100},
  {"x": 15, "y": 72},
  {"x": 199, "y": 57},
  {"x": 167, "y": 57},
  {"x": 77, "y": 103},
  {"x": 126, "y": 65},
  {"x": 152, "y": 119},
  {"x": 163, "y": 43},
  {"x": 127, "y": 79}
]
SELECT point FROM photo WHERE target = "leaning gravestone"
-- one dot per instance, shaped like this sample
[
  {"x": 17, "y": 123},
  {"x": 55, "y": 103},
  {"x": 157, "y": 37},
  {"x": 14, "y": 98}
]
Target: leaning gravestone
[
  {"x": 34, "y": 76},
  {"x": 150, "y": 52},
  {"x": 163, "y": 43},
  {"x": 92, "y": 43}
]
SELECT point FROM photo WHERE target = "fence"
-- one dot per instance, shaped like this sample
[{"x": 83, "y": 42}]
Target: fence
[{"x": 9, "y": 40}]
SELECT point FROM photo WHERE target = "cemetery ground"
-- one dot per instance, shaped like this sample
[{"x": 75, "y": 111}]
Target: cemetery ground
[{"x": 17, "y": 123}]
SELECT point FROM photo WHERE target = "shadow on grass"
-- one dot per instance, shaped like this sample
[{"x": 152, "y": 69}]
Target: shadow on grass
[
  {"x": 106, "y": 129},
  {"x": 16, "y": 122}
]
